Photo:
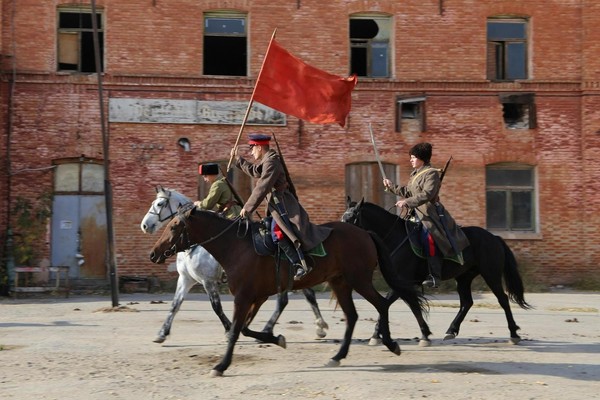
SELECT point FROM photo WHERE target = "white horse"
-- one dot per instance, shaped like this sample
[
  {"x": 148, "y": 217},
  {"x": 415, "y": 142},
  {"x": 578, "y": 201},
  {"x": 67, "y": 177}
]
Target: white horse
[{"x": 197, "y": 265}]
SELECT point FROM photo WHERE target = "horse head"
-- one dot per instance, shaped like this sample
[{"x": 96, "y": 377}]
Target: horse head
[
  {"x": 162, "y": 209},
  {"x": 175, "y": 237},
  {"x": 352, "y": 213}
]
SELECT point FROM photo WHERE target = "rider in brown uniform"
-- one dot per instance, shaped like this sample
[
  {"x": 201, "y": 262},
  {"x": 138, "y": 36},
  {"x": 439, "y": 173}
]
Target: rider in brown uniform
[
  {"x": 292, "y": 228},
  {"x": 442, "y": 237}
]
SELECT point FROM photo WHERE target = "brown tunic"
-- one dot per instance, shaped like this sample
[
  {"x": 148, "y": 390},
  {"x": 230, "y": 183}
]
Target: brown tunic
[
  {"x": 421, "y": 194},
  {"x": 272, "y": 183}
]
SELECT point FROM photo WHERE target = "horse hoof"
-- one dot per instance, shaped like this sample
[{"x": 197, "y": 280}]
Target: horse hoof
[
  {"x": 281, "y": 341},
  {"x": 214, "y": 373},
  {"x": 321, "y": 333},
  {"x": 159, "y": 339},
  {"x": 424, "y": 343},
  {"x": 396, "y": 350},
  {"x": 333, "y": 363},
  {"x": 449, "y": 336},
  {"x": 375, "y": 342},
  {"x": 514, "y": 340}
]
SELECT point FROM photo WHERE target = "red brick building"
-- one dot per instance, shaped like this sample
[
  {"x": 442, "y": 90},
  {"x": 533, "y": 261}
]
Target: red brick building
[{"x": 509, "y": 89}]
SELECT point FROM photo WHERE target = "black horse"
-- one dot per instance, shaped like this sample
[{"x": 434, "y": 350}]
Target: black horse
[{"x": 488, "y": 255}]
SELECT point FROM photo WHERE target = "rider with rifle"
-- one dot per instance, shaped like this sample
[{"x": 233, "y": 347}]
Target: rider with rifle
[
  {"x": 441, "y": 236},
  {"x": 291, "y": 228}
]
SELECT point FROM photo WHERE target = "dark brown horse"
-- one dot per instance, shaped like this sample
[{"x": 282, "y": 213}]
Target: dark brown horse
[{"x": 352, "y": 256}]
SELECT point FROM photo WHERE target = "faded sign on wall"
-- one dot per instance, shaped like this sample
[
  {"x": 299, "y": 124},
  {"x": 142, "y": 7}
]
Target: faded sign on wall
[{"x": 165, "y": 111}]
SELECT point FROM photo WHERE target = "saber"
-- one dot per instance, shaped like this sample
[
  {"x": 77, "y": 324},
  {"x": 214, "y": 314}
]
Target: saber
[{"x": 376, "y": 153}]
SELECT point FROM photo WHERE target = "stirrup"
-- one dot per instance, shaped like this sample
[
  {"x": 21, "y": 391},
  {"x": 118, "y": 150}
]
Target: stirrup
[
  {"x": 300, "y": 272},
  {"x": 430, "y": 282}
]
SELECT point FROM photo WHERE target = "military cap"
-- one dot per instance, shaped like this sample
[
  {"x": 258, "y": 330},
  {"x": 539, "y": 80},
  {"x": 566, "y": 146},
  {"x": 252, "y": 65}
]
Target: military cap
[{"x": 258, "y": 139}]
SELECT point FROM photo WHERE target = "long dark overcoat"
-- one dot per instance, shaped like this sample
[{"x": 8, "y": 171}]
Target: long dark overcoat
[
  {"x": 272, "y": 181},
  {"x": 421, "y": 194}
]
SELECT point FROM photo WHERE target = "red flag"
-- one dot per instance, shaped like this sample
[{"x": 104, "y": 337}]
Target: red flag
[{"x": 293, "y": 87}]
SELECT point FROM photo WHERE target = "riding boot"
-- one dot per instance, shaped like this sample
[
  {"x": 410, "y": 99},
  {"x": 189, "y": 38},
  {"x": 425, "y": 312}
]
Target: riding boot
[
  {"x": 435, "y": 272},
  {"x": 292, "y": 254}
]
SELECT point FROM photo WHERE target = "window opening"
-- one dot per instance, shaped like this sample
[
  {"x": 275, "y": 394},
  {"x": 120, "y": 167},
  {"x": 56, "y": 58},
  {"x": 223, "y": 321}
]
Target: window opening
[
  {"x": 410, "y": 114},
  {"x": 369, "y": 46},
  {"x": 518, "y": 110},
  {"x": 76, "y": 41},
  {"x": 225, "y": 44},
  {"x": 507, "y": 49},
  {"x": 510, "y": 198}
]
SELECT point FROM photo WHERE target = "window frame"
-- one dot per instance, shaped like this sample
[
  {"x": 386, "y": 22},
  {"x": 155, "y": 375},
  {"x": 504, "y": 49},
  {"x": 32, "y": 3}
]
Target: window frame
[
  {"x": 420, "y": 111},
  {"x": 370, "y": 44},
  {"x": 206, "y": 70},
  {"x": 499, "y": 49},
  {"x": 509, "y": 208},
  {"x": 61, "y": 32}
]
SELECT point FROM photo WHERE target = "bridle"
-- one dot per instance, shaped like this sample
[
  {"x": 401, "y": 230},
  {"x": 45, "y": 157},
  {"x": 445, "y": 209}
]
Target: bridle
[
  {"x": 165, "y": 195},
  {"x": 184, "y": 237}
]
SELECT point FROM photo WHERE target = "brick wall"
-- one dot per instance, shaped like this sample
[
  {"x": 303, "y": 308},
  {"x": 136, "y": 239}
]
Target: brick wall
[{"x": 154, "y": 50}]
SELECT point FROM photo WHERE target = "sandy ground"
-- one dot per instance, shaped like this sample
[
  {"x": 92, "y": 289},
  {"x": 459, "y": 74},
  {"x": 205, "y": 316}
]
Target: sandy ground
[{"x": 56, "y": 348}]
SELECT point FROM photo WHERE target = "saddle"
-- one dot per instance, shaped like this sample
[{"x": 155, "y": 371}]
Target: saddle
[
  {"x": 413, "y": 230},
  {"x": 264, "y": 244}
]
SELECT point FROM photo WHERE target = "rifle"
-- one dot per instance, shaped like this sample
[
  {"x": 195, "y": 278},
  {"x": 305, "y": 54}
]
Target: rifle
[
  {"x": 235, "y": 194},
  {"x": 445, "y": 169},
  {"x": 287, "y": 173}
]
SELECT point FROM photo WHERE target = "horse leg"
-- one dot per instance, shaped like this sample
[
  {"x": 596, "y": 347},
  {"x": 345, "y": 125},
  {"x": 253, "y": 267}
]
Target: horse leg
[
  {"x": 343, "y": 294},
  {"x": 463, "y": 287},
  {"x": 282, "y": 301},
  {"x": 241, "y": 309},
  {"x": 375, "y": 340},
  {"x": 309, "y": 293},
  {"x": 505, "y": 304},
  {"x": 184, "y": 284},
  {"x": 266, "y": 336},
  {"x": 212, "y": 289}
]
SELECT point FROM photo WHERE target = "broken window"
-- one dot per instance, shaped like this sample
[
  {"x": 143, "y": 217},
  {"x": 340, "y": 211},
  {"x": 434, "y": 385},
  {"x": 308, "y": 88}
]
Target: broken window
[
  {"x": 369, "y": 46},
  {"x": 410, "y": 114},
  {"x": 518, "y": 110},
  {"x": 225, "y": 44},
  {"x": 507, "y": 49},
  {"x": 510, "y": 197},
  {"x": 75, "y": 40}
]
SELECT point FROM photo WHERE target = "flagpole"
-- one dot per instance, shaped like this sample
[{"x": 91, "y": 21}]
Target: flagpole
[{"x": 237, "y": 141}]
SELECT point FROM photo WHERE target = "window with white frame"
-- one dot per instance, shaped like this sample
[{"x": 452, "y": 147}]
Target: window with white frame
[
  {"x": 370, "y": 45},
  {"x": 507, "y": 49},
  {"x": 225, "y": 44},
  {"x": 75, "y": 40},
  {"x": 510, "y": 197}
]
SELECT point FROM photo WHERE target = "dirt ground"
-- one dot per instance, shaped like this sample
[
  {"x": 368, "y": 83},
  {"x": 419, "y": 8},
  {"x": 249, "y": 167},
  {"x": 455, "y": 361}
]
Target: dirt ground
[{"x": 81, "y": 348}]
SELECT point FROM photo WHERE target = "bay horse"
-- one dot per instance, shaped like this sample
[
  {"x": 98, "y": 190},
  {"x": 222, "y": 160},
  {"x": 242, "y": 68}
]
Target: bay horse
[
  {"x": 352, "y": 256},
  {"x": 196, "y": 265},
  {"x": 488, "y": 255}
]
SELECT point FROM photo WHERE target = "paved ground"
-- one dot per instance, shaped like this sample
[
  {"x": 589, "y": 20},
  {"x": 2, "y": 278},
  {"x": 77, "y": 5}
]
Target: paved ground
[{"x": 80, "y": 348}]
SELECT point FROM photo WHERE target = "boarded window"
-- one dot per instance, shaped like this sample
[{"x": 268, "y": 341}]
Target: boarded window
[
  {"x": 370, "y": 46},
  {"x": 225, "y": 44},
  {"x": 507, "y": 49},
  {"x": 75, "y": 40},
  {"x": 518, "y": 110},
  {"x": 410, "y": 114},
  {"x": 510, "y": 197},
  {"x": 364, "y": 180}
]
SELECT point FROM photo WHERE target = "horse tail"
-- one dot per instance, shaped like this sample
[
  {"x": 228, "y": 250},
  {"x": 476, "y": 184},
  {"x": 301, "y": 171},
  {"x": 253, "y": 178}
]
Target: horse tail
[
  {"x": 404, "y": 289},
  {"x": 512, "y": 278}
]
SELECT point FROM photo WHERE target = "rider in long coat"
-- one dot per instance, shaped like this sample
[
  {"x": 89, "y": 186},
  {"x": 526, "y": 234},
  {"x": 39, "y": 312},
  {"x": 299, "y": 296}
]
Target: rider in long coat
[
  {"x": 421, "y": 194},
  {"x": 293, "y": 229},
  {"x": 220, "y": 197}
]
